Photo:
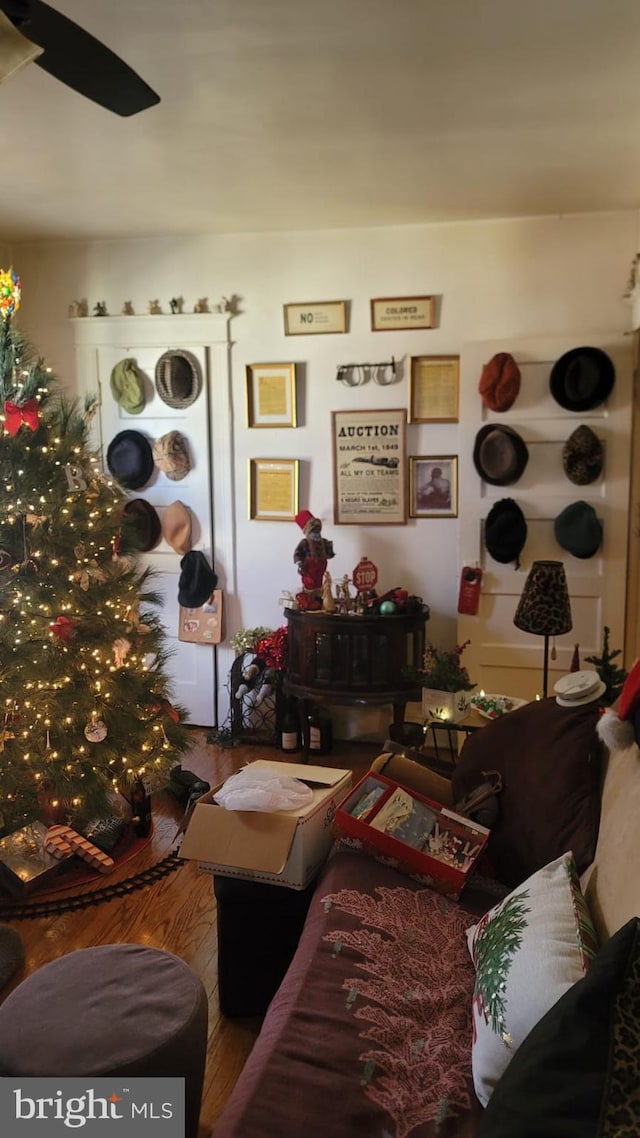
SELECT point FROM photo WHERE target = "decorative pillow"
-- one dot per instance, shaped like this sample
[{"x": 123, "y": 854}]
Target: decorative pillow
[
  {"x": 527, "y": 951},
  {"x": 549, "y": 759},
  {"x": 578, "y": 1072}
]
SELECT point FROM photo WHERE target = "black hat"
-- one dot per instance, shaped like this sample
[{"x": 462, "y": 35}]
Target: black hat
[
  {"x": 505, "y": 531},
  {"x": 582, "y": 456},
  {"x": 578, "y": 529},
  {"x": 145, "y": 525},
  {"x": 500, "y": 455},
  {"x": 197, "y": 580},
  {"x": 130, "y": 459},
  {"x": 582, "y": 379},
  {"x": 178, "y": 378}
]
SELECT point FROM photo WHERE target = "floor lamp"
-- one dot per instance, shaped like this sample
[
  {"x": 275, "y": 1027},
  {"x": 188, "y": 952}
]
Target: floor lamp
[{"x": 544, "y": 608}]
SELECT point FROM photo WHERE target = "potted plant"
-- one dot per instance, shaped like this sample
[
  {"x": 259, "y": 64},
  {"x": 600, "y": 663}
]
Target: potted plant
[{"x": 444, "y": 681}]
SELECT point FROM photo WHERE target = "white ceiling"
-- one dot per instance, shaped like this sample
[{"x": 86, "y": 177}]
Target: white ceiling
[{"x": 307, "y": 114}]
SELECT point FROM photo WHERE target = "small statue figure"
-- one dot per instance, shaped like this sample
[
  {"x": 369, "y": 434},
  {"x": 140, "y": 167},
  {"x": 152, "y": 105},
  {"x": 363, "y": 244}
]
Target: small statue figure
[
  {"x": 176, "y": 305},
  {"x": 100, "y": 309},
  {"x": 202, "y": 305},
  {"x": 343, "y": 596},
  {"x": 312, "y": 552},
  {"x": 127, "y": 308},
  {"x": 83, "y": 307},
  {"x": 154, "y": 308},
  {"x": 328, "y": 601}
]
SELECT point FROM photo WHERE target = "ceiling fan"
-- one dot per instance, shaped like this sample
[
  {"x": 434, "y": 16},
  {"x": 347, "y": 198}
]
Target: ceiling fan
[{"x": 32, "y": 31}]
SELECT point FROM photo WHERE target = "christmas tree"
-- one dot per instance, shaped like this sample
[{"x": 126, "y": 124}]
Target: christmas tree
[
  {"x": 85, "y": 703},
  {"x": 610, "y": 674}
]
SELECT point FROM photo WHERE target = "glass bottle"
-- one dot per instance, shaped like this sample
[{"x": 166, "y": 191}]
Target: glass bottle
[{"x": 289, "y": 729}]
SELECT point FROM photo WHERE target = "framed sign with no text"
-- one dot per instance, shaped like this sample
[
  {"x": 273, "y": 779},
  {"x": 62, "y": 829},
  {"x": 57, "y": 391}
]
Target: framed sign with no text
[
  {"x": 369, "y": 467},
  {"x": 434, "y": 384},
  {"x": 315, "y": 318},
  {"x": 397, "y": 313},
  {"x": 271, "y": 395},
  {"x": 273, "y": 489},
  {"x": 433, "y": 486}
]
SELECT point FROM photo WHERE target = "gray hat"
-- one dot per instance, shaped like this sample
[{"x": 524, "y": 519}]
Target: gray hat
[
  {"x": 578, "y": 529},
  {"x": 500, "y": 455},
  {"x": 178, "y": 378},
  {"x": 582, "y": 456},
  {"x": 127, "y": 386},
  {"x": 171, "y": 455}
]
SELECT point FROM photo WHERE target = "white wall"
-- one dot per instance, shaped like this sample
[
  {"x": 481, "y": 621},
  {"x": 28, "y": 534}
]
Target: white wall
[{"x": 494, "y": 280}]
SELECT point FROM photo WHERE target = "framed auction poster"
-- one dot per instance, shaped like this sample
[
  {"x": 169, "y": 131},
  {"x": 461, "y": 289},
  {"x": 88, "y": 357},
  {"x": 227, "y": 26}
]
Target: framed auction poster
[{"x": 369, "y": 467}]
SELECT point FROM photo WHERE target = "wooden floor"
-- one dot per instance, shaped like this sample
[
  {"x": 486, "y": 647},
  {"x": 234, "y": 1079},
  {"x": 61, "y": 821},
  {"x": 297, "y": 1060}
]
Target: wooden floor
[{"x": 176, "y": 913}]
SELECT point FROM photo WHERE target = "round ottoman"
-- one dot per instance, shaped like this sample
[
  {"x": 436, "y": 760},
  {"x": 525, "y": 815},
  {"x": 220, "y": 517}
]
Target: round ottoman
[{"x": 118, "y": 1009}]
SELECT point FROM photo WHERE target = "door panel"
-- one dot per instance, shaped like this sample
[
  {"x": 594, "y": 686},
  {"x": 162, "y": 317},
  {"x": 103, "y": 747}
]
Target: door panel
[{"x": 500, "y": 657}]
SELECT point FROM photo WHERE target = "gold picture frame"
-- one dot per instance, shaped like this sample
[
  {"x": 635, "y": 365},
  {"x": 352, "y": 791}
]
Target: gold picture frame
[
  {"x": 434, "y": 389},
  {"x": 369, "y": 467},
  {"x": 274, "y": 485},
  {"x": 315, "y": 318},
  {"x": 433, "y": 486},
  {"x": 271, "y": 395},
  {"x": 399, "y": 313}
]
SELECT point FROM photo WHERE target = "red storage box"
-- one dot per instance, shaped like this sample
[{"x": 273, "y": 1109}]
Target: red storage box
[{"x": 413, "y": 833}]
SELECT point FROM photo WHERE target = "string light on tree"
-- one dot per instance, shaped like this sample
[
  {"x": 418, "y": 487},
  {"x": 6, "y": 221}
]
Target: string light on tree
[{"x": 72, "y": 710}]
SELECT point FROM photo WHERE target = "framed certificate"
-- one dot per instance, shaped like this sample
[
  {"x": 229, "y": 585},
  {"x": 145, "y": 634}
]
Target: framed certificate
[
  {"x": 273, "y": 489},
  {"x": 271, "y": 395},
  {"x": 434, "y": 386}
]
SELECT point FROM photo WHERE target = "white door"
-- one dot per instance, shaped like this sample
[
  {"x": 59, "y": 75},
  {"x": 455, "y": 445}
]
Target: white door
[
  {"x": 100, "y": 343},
  {"x": 501, "y": 658}
]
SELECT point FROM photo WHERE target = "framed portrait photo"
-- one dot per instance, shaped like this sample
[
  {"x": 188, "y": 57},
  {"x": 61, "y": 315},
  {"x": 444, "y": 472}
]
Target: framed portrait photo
[
  {"x": 271, "y": 395},
  {"x": 433, "y": 486},
  {"x": 273, "y": 489}
]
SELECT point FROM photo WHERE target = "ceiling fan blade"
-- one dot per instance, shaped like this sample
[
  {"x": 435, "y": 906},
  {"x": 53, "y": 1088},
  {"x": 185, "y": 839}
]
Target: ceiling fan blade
[
  {"x": 82, "y": 62},
  {"x": 15, "y": 49}
]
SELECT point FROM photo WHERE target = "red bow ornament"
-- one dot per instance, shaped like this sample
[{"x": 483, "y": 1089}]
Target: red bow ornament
[
  {"x": 64, "y": 629},
  {"x": 15, "y": 415}
]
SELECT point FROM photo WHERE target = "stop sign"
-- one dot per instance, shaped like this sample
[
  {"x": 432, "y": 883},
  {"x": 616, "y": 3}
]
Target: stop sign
[{"x": 365, "y": 575}]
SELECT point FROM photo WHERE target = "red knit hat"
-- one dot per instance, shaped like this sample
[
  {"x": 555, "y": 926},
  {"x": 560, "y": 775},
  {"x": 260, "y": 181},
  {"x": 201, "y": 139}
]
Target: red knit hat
[{"x": 500, "y": 382}]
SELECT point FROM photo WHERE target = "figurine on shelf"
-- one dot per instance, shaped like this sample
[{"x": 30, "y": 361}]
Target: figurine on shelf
[
  {"x": 154, "y": 308},
  {"x": 202, "y": 305},
  {"x": 127, "y": 308},
  {"x": 312, "y": 552},
  {"x": 328, "y": 600},
  {"x": 100, "y": 309},
  {"x": 176, "y": 304},
  {"x": 78, "y": 308},
  {"x": 343, "y": 596}
]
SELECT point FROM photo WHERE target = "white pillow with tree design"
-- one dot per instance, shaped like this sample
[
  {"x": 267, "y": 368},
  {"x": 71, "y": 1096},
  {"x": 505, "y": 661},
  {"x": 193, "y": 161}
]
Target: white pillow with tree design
[{"x": 527, "y": 951}]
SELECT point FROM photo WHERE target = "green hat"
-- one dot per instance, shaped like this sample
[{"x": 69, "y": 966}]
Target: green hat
[
  {"x": 127, "y": 386},
  {"x": 579, "y": 530}
]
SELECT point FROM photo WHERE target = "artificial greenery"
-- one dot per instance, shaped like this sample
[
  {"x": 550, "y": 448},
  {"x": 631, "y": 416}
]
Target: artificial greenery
[
  {"x": 609, "y": 673},
  {"x": 82, "y": 651},
  {"x": 441, "y": 669}
]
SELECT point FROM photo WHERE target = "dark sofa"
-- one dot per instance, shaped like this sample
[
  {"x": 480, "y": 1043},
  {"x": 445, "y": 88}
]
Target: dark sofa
[{"x": 370, "y": 1033}]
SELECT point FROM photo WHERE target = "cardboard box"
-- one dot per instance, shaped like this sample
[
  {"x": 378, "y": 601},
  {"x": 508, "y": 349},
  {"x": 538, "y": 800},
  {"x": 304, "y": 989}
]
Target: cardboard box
[
  {"x": 404, "y": 828},
  {"x": 287, "y": 847}
]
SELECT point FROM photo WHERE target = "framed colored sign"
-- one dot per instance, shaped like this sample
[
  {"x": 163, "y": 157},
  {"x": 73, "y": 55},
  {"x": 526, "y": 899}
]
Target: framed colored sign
[{"x": 398, "y": 313}]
